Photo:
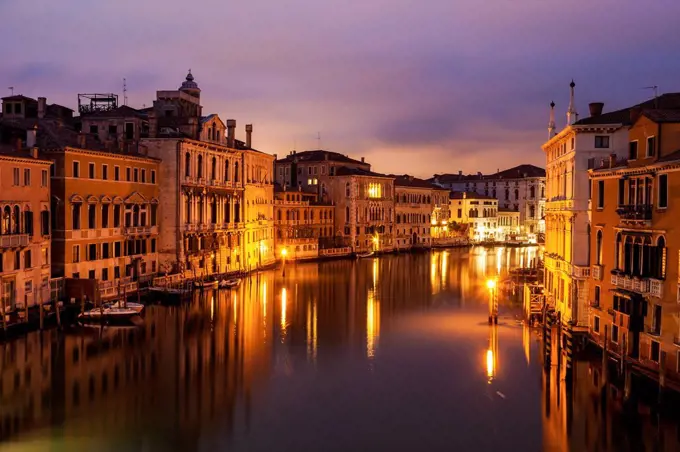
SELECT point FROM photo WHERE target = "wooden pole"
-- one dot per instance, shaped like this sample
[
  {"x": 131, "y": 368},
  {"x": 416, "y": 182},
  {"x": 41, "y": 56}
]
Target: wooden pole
[
  {"x": 40, "y": 306},
  {"x": 55, "y": 305},
  {"x": 2, "y": 304}
]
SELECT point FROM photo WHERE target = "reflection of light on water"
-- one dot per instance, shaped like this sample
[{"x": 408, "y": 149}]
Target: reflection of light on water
[
  {"x": 372, "y": 324},
  {"x": 312, "y": 315},
  {"x": 531, "y": 254},
  {"x": 284, "y": 302},
  {"x": 489, "y": 365},
  {"x": 375, "y": 272},
  {"x": 234, "y": 302},
  {"x": 445, "y": 267},
  {"x": 526, "y": 343},
  {"x": 499, "y": 259},
  {"x": 212, "y": 309},
  {"x": 264, "y": 307},
  {"x": 433, "y": 272}
]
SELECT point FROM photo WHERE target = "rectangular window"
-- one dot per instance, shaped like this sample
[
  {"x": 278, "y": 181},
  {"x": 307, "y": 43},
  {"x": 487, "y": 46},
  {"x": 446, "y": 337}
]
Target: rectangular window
[
  {"x": 597, "y": 295},
  {"x": 129, "y": 130},
  {"x": 116, "y": 173},
  {"x": 92, "y": 252},
  {"x": 622, "y": 191},
  {"x": 651, "y": 146},
  {"x": 153, "y": 176},
  {"x": 633, "y": 150},
  {"x": 91, "y": 216},
  {"x": 94, "y": 130},
  {"x": 116, "y": 216},
  {"x": 106, "y": 250},
  {"x": 600, "y": 194},
  {"x": 615, "y": 334},
  {"x": 136, "y": 175},
  {"x": 663, "y": 191},
  {"x": 44, "y": 178},
  {"x": 27, "y": 177},
  {"x": 153, "y": 245},
  {"x": 17, "y": 260},
  {"x": 116, "y": 249},
  {"x": 113, "y": 129},
  {"x": 654, "y": 351},
  {"x": 16, "y": 179},
  {"x": 45, "y": 256},
  {"x": 128, "y": 174},
  {"x": 76, "y": 169},
  {"x": 91, "y": 171},
  {"x": 92, "y": 274},
  {"x": 601, "y": 141},
  {"x": 143, "y": 176},
  {"x": 596, "y": 324},
  {"x": 116, "y": 272},
  {"x": 27, "y": 259},
  {"x": 76, "y": 254},
  {"x": 105, "y": 274},
  {"x": 105, "y": 172}
]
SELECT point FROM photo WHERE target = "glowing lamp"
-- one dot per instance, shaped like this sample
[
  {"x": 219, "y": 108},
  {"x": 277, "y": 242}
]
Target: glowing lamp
[{"x": 491, "y": 284}]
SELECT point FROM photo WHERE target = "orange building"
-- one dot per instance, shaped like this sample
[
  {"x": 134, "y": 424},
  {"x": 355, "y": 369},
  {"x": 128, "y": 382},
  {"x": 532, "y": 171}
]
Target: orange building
[
  {"x": 634, "y": 245},
  {"x": 302, "y": 224}
]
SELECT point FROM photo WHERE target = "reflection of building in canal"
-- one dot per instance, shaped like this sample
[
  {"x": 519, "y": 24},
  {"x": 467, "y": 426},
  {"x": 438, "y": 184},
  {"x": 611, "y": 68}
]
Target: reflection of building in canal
[
  {"x": 26, "y": 380},
  {"x": 576, "y": 415}
]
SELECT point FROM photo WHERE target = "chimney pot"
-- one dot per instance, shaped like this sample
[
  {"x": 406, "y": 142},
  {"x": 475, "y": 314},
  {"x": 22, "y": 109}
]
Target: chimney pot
[
  {"x": 595, "y": 108},
  {"x": 31, "y": 136},
  {"x": 612, "y": 160},
  {"x": 460, "y": 172},
  {"x": 363, "y": 160},
  {"x": 42, "y": 107},
  {"x": 231, "y": 132},
  {"x": 34, "y": 152},
  {"x": 249, "y": 135}
]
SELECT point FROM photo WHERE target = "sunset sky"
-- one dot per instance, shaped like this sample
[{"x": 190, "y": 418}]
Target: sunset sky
[{"x": 414, "y": 86}]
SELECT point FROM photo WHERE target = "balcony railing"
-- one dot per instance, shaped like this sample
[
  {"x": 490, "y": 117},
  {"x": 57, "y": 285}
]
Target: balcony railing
[
  {"x": 656, "y": 288},
  {"x": 637, "y": 212},
  {"x": 579, "y": 271},
  {"x": 635, "y": 284},
  {"x": 13, "y": 241},
  {"x": 136, "y": 230},
  {"x": 597, "y": 272}
]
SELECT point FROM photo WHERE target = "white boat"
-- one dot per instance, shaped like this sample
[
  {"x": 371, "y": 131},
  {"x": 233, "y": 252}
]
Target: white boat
[
  {"x": 228, "y": 283},
  {"x": 366, "y": 254},
  {"x": 206, "y": 284},
  {"x": 122, "y": 305},
  {"x": 108, "y": 313}
]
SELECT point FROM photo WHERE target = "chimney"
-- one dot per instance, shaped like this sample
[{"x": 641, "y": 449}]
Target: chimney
[
  {"x": 81, "y": 140},
  {"x": 42, "y": 107},
  {"x": 595, "y": 108},
  {"x": 612, "y": 160},
  {"x": 231, "y": 132},
  {"x": 635, "y": 113},
  {"x": 276, "y": 157},
  {"x": 31, "y": 136},
  {"x": 479, "y": 174},
  {"x": 34, "y": 152},
  {"x": 20, "y": 144},
  {"x": 363, "y": 160},
  {"x": 249, "y": 135},
  {"x": 460, "y": 172}
]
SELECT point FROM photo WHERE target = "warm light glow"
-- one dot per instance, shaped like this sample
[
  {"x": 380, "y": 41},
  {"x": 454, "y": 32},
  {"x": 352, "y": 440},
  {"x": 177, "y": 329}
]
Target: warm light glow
[
  {"x": 284, "y": 302},
  {"x": 491, "y": 284},
  {"x": 375, "y": 272},
  {"x": 372, "y": 324},
  {"x": 284, "y": 252},
  {"x": 489, "y": 364},
  {"x": 312, "y": 316}
]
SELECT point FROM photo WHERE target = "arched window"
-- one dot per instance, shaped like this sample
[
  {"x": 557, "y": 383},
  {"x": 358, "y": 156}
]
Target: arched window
[
  {"x": 598, "y": 247},
  {"x": 6, "y": 220},
  {"x": 213, "y": 171},
  {"x": 628, "y": 255},
  {"x": 188, "y": 209},
  {"x": 226, "y": 171},
  {"x": 516, "y": 194},
  {"x": 661, "y": 257},
  {"x": 236, "y": 176},
  {"x": 16, "y": 225},
  {"x": 618, "y": 252},
  {"x": 532, "y": 192},
  {"x": 347, "y": 190},
  {"x": 187, "y": 164},
  {"x": 199, "y": 167}
]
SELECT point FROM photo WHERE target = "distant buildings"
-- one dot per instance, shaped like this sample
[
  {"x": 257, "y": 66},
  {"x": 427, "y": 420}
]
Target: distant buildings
[
  {"x": 414, "y": 207},
  {"x": 305, "y": 169},
  {"x": 478, "y": 213},
  {"x": 521, "y": 189}
]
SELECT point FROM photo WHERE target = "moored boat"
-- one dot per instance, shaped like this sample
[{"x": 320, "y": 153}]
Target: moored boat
[
  {"x": 212, "y": 284},
  {"x": 366, "y": 254},
  {"x": 121, "y": 304},
  {"x": 108, "y": 314},
  {"x": 229, "y": 283}
]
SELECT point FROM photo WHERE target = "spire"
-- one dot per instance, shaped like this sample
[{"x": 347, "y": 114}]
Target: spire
[
  {"x": 572, "y": 116},
  {"x": 551, "y": 123},
  {"x": 190, "y": 86}
]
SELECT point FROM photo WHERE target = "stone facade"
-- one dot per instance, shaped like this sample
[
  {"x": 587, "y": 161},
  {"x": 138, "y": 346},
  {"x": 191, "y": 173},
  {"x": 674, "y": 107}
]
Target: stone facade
[
  {"x": 414, "y": 210},
  {"x": 479, "y": 213},
  {"x": 305, "y": 170},
  {"x": 106, "y": 217},
  {"x": 25, "y": 250}
]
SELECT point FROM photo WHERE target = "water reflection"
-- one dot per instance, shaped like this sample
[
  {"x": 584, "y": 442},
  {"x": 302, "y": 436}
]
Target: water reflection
[{"x": 229, "y": 368}]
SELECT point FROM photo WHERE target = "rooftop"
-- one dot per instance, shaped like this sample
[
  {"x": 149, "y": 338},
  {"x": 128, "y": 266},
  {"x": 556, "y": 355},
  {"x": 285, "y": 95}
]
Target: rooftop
[
  {"x": 517, "y": 172},
  {"x": 410, "y": 181},
  {"x": 319, "y": 155},
  {"x": 668, "y": 101},
  {"x": 348, "y": 171},
  {"x": 123, "y": 111}
]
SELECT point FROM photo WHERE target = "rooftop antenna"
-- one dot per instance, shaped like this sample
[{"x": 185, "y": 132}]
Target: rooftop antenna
[
  {"x": 654, "y": 88},
  {"x": 124, "y": 91},
  {"x": 318, "y": 139},
  {"x": 11, "y": 89}
]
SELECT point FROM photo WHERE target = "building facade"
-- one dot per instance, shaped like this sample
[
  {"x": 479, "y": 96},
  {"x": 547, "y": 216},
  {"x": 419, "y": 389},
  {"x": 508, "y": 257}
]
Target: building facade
[
  {"x": 634, "y": 246},
  {"x": 569, "y": 155},
  {"x": 508, "y": 225},
  {"x": 25, "y": 248},
  {"x": 106, "y": 217},
  {"x": 364, "y": 207},
  {"x": 478, "y": 213},
  {"x": 304, "y": 170},
  {"x": 303, "y": 224},
  {"x": 414, "y": 209},
  {"x": 521, "y": 188}
]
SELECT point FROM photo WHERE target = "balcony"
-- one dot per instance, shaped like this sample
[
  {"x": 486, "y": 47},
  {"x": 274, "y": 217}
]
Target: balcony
[
  {"x": 579, "y": 271},
  {"x": 634, "y": 284},
  {"x": 14, "y": 240},
  {"x": 140, "y": 230},
  {"x": 597, "y": 272},
  {"x": 639, "y": 214},
  {"x": 656, "y": 288}
]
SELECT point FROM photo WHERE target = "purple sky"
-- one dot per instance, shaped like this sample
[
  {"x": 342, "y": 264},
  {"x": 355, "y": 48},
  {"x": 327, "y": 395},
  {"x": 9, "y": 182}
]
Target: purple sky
[{"x": 414, "y": 86}]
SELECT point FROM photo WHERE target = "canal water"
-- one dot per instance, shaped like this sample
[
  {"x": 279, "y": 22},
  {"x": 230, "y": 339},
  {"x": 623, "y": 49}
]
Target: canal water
[{"x": 387, "y": 353}]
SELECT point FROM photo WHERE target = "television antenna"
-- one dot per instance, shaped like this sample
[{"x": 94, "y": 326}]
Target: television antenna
[
  {"x": 11, "y": 89},
  {"x": 124, "y": 91}
]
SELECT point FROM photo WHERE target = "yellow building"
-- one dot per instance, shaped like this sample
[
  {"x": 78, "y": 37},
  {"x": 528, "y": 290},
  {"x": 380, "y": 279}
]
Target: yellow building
[
  {"x": 634, "y": 245},
  {"x": 414, "y": 212},
  {"x": 303, "y": 224},
  {"x": 259, "y": 208},
  {"x": 479, "y": 213}
]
